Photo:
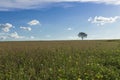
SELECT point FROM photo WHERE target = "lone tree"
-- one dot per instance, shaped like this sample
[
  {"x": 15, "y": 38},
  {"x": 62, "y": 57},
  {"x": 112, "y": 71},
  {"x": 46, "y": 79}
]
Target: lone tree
[{"x": 82, "y": 35}]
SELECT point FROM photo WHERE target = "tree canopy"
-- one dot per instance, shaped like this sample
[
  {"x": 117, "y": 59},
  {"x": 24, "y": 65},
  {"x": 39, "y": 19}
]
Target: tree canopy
[{"x": 82, "y": 35}]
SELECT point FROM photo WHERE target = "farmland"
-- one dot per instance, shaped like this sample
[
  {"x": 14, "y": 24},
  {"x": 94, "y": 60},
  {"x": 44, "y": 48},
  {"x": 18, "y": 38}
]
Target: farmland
[{"x": 60, "y": 60}]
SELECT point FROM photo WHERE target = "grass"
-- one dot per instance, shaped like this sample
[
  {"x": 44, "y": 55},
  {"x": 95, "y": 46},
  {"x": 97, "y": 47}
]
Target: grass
[{"x": 60, "y": 60}]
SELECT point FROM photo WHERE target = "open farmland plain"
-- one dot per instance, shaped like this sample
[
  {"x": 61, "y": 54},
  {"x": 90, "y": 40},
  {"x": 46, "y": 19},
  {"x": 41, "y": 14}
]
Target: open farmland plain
[{"x": 60, "y": 60}]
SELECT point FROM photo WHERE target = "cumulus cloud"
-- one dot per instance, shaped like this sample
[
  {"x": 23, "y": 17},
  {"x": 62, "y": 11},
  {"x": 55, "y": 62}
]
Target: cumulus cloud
[
  {"x": 48, "y": 36},
  {"x": 32, "y": 4},
  {"x": 6, "y": 27},
  {"x": 69, "y": 29},
  {"x": 34, "y": 22},
  {"x": 3, "y": 37},
  {"x": 26, "y": 28},
  {"x": 32, "y": 37},
  {"x": 73, "y": 37},
  {"x": 100, "y": 20},
  {"x": 15, "y": 36}
]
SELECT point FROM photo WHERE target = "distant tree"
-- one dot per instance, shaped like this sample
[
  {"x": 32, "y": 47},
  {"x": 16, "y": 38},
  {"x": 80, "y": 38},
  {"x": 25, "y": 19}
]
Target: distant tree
[{"x": 82, "y": 35}]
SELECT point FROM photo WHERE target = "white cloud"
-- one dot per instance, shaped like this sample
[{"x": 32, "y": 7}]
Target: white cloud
[
  {"x": 32, "y": 37},
  {"x": 3, "y": 37},
  {"x": 73, "y": 37},
  {"x": 6, "y": 27},
  {"x": 100, "y": 20},
  {"x": 26, "y": 28},
  {"x": 48, "y": 36},
  {"x": 69, "y": 29},
  {"x": 15, "y": 35},
  {"x": 34, "y": 22},
  {"x": 32, "y": 4}
]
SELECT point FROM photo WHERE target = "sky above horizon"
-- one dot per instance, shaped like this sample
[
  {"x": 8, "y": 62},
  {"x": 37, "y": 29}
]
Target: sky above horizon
[{"x": 59, "y": 19}]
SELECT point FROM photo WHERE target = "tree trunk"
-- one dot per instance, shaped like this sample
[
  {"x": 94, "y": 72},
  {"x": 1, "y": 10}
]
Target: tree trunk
[{"x": 82, "y": 38}]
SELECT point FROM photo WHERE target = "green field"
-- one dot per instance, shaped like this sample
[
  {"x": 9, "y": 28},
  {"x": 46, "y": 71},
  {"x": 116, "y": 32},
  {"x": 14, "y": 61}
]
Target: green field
[{"x": 60, "y": 60}]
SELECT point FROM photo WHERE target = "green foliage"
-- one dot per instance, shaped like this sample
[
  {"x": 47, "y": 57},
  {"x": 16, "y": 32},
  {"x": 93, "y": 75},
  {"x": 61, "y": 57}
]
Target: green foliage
[{"x": 60, "y": 62}]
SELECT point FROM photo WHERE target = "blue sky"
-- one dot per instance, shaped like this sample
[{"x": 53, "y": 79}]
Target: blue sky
[{"x": 59, "y": 19}]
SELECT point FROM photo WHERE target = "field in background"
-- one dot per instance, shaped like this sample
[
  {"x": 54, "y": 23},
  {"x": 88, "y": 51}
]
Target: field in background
[{"x": 60, "y": 60}]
